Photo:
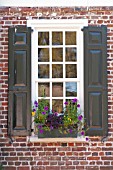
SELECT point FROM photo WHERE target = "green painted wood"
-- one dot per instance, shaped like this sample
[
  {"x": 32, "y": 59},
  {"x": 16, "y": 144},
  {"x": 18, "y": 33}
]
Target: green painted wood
[
  {"x": 95, "y": 80},
  {"x": 19, "y": 98}
]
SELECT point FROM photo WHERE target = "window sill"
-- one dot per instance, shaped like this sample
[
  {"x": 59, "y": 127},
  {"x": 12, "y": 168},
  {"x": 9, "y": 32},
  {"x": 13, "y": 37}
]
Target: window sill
[{"x": 46, "y": 140}]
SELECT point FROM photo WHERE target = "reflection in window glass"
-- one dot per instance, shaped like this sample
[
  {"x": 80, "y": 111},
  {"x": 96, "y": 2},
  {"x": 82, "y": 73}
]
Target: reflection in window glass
[
  {"x": 43, "y": 38},
  {"x": 57, "y": 38},
  {"x": 57, "y": 105},
  {"x": 57, "y": 89},
  {"x": 43, "y": 71},
  {"x": 57, "y": 71},
  {"x": 43, "y": 54},
  {"x": 71, "y": 54},
  {"x": 70, "y": 38},
  {"x": 43, "y": 90},
  {"x": 71, "y": 89},
  {"x": 57, "y": 54},
  {"x": 71, "y": 71}
]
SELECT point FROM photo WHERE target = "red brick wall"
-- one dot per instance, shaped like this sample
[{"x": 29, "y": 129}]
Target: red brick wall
[{"x": 23, "y": 155}]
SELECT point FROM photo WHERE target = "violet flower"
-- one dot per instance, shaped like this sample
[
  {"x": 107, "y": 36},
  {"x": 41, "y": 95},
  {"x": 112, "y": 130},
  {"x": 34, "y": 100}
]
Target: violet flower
[{"x": 34, "y": 110}]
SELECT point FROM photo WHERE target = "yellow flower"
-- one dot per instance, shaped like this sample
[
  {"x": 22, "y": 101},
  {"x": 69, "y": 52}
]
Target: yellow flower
[{"x": 33, "y": 113}]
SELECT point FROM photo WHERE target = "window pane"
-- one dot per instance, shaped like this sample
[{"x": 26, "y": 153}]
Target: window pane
[
  {"x": 57, "y": 38},
  {"x": 71, "y": 54},
  {"x": 70, "y": 38},
  {"x": 71, "y": 89},
  {"x": 43, "y": 38},
  {"x": 57, "y": 89},
  {"x": 57, "y": 106},
  {"x": 43, "y": 90},
  {"x": 43, "y": 71},
  {"x": 71, "y": 71},
  {"x": 57, "y": 54},
  {"x": 43, "y": 54},
  {"x": 57, "y": 71}
]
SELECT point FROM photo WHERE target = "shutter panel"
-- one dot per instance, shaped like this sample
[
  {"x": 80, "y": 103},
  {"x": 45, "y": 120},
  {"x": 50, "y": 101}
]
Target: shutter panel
[
  {"x": 95, "y": 80},
  {"x": 19, "y": 98}
]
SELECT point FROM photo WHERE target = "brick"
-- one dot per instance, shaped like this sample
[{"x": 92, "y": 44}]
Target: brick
[
  {"x": 106, "y": 167},
  {"x": 23, "y": 168},
  {"x": 10, "y": 168}
]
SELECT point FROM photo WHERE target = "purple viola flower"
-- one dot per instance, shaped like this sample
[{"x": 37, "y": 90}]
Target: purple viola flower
[
  {"x": 34, "y": 110},
  {"x": 46, "y": 108},
  {"x": 39, "y": 126},
  {"x": 87, "y": 138},
  {"x": 78, "y": 105},
  {"x": 70, "y": 130},
  {"x": 82, "y": 133},
  {"x": 36, "y": 103},
  {"x": 74, "y": 100},
  {"x": 41, "y": 131},
  {"x": 43, "y": 113},
  {"x": 80, "y": 117},
  {"x": 66, "y": 103}
]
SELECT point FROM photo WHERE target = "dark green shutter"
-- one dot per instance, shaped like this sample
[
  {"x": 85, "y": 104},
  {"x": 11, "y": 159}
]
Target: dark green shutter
[
  {"x": 95, "y": 80},
  {"x": 19, "y": 94}
]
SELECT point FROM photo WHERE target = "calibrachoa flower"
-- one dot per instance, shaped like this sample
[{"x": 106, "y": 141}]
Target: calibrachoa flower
[
  {"x": 82, "y": 133},
  {"x": 80, "y": 117},
  {"x": 46, "y": 108},
  {"x": 74, "y": 100},
  {"x": 41, "y": 131},
  {"x": 78, "y": 105},
  {"x": 43, "y": 113},
  {"x": 66, "y": 103}
]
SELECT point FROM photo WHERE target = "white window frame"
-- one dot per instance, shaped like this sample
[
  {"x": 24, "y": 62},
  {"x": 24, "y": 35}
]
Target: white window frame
[{"x": 71, "y": 25}]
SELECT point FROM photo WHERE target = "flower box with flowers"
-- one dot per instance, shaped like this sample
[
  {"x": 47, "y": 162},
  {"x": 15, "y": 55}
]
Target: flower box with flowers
[{"x": 49, "y": 124}]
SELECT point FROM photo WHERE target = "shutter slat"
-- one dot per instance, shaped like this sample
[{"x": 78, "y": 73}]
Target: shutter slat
[
  {"x": 95, "y": 80},
  {"x": 19, "y": 99}
]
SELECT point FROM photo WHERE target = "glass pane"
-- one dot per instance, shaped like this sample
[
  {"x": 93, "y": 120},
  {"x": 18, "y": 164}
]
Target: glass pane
[
  {"x": 70, "y": 38},
  {"x": 71, "y": 71},
  {"x": 71, "y": 54},
  {"x": 43, "y": 54},
  {"x": 57, "y": 54},
  {"x": 43, "y": 71},
  {"x": 43, "y": 38},
  {"x": 71, "y": 89},
  {"x": 57, "y": 71},
  {"x": 43, "y": 90},
  {"x": 57, "y": 38},
  {"x": 57, "y": 106},
  {"x": 57, "y": 89}
]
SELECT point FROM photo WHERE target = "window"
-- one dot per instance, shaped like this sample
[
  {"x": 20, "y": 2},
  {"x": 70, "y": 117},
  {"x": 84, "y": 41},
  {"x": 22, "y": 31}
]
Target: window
[
  {"x": 57, "y": 62},
  {"x": 87, "y": 70}
]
